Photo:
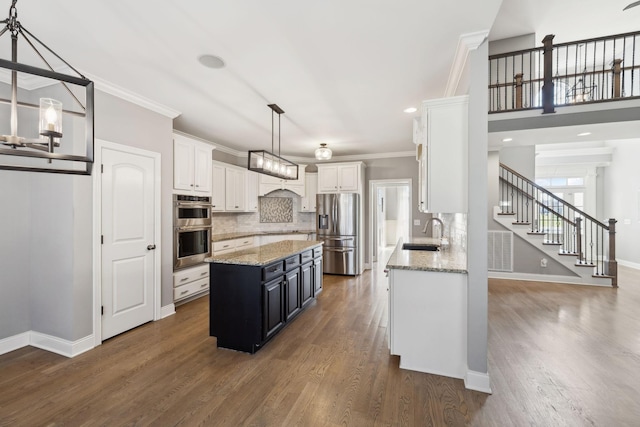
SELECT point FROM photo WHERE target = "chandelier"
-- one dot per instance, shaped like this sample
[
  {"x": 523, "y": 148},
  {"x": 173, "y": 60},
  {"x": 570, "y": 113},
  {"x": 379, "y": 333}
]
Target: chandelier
[
  {"x": 268, "y": 163},
  {"x": 44, "y": 131}
]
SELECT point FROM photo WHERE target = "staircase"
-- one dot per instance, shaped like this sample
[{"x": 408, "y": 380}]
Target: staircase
[{"x": 566, "y": 234}]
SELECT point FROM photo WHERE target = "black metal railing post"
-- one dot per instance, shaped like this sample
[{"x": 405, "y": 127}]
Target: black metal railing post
[
  {"x": 548, "y": 105},
  {"x": 612, "y": 264}
]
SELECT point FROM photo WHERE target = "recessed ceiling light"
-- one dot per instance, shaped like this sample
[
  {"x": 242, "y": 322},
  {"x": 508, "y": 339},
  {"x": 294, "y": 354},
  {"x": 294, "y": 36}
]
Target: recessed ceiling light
[
  {"x": 410, "y": 110},
  {"x": 584, "y": 134},
  {"x": 211, "y": 61},
  {"x": 507, "y": 140}
]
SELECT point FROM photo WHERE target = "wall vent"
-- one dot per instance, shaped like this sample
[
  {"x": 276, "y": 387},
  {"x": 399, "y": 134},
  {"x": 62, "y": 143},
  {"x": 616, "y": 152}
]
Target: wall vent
[{"x": 500, "y": 250}]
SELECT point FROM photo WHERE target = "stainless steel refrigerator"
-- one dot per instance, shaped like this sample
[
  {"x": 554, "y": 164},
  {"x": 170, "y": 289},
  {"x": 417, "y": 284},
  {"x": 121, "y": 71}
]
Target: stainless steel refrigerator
[{"x": 337, "y": 226}]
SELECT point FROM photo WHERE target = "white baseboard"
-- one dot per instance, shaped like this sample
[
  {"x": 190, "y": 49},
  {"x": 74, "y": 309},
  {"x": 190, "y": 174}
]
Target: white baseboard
[
  {"x": 167, "y": 310},
  {"x": 572, "y": 280},
  {"x": 61, "y": 346},
  {"x": 478, "y": 381},
  {"x": 629, "y": 264},
  {"x": 47, "y": 342},
  {"x": 14, "y": 342}
]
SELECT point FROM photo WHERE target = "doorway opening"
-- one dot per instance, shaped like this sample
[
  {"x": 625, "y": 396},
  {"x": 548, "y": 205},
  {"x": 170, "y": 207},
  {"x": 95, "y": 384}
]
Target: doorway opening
[{"x": 389, "y": 216}]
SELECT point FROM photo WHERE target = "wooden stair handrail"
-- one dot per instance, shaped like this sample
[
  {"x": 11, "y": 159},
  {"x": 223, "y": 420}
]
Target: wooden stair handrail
[{"x": 553, "y": 196}]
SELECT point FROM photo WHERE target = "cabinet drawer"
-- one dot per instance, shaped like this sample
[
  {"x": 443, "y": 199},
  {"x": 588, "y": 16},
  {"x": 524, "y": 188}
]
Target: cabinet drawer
[
  {"x": 272, "y": 270},
  {"x": 306, "y": 256},
  {"x": 292, "y": 262},
  {"x": 317, "y": 252},
  {"x": 190, "y": 288},
  {"x": 189, "y": 275},
  {"x": 244, "y": 242},
  {"x": 223, "y": 245}
]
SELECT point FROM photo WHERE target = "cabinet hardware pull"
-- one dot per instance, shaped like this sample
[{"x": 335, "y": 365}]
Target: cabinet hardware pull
[
  {"x": 204, "y": 273},
  {"x": 183, "y": 292},
  {"x": 204, "y": 285},
  {"x": 184, "y": 280}
]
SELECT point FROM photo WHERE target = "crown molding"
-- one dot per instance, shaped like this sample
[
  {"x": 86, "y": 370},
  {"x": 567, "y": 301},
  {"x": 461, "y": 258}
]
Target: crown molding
[
  {"x": 466, "y": 43},
  {"x": 120, "y": 92},
  {"x": 298, "y": 159}
]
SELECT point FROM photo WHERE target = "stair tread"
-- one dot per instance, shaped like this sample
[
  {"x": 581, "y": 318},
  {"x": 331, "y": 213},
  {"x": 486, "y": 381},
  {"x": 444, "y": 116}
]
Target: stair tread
[
  {"x": 552, "y": 243},
  {"x": 584, "y": 265},
  {"x": 603, "y": 276},
  {"x": 520, "y": 223},
  {"x": 568, "y": 253},
  {"x": 506, "y": 213},
  {"x": 536, "y": 233}
]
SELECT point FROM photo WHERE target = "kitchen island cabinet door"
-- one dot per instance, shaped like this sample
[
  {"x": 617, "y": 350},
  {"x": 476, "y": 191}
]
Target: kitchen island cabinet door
[
  {"x": 273, "y": 297},
  {"x": 317, "y": 276},
  {"x": 306, "y": 279},
  {"x": 292, "y": 284}
]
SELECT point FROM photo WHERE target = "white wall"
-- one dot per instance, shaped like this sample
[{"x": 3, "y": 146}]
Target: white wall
[
  {"x": 15, "y": 216},
  {"x": 622, "y": 198}
]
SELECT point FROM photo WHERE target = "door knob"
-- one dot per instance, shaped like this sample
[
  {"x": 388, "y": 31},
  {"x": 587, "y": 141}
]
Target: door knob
[{"x": 151, "y": 247}]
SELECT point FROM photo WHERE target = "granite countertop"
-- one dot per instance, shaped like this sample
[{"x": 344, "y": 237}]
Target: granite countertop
[
  {"x": 449, "y": 259},
  {"x": 240, "y": 234},
  {"x": 265, "y": 254}
]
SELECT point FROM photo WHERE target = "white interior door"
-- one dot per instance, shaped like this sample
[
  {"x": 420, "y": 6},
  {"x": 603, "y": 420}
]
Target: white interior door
[{"x": 127, "y": 207}]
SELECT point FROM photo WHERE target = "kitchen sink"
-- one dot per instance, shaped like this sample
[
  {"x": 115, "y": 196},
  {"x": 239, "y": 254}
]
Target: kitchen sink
[{"x": 419, "y": 247}]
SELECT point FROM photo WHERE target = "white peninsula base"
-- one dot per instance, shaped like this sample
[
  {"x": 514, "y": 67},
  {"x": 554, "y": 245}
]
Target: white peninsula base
[{"x": 428, "y": 321}]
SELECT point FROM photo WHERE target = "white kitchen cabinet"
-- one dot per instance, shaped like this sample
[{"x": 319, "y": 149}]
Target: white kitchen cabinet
[
  {"x": 191, "y": 166},
  {"x": 253, "y": 183},
  {"x": 218, "y": 190},
  {"x": 232, "y": 245},
  {"x": 442, "y": 155},
  {"x": 341, "y": 177},
  {"x": 308, "y": 202},
  {"x": 428, "y": 321},
  {"x": 235, "y": 190},
  {"x": 190, "y": 281},
  {"x": 270, "y": 183}
]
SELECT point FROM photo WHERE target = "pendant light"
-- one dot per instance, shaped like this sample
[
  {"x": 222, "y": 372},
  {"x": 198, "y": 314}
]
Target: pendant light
[
  {"x": 51, "y": 113},
  {"x": 268, "y": 163}
]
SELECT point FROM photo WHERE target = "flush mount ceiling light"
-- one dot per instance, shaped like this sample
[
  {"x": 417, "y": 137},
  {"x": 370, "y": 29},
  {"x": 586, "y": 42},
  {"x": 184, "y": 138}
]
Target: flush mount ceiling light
[
  {"x": 323, "y": 153},
  {"x": 410, "y": 110},
  {"x": 584, "y": 134},
  {"x": 44, "y": 130},
  {"x": 507, "y": 140},
  {"x": 211, "y": 61},
  {"x": 268, "y": 163}
]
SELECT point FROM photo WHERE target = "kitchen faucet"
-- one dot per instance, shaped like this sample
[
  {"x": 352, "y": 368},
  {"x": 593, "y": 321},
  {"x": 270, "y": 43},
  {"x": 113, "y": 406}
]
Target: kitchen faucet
[{"x": 429, "y": 221}]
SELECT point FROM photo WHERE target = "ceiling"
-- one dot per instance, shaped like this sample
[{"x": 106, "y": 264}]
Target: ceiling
[{"x": 343, "y": 72}]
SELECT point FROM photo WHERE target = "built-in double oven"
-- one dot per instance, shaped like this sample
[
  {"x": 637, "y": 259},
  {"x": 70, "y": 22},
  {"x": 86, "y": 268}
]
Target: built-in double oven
[{"x": 192, "y": 230}]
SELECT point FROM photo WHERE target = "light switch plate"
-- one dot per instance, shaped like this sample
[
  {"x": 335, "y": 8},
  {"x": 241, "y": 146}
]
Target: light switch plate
[{"x": 416, "y": 222}]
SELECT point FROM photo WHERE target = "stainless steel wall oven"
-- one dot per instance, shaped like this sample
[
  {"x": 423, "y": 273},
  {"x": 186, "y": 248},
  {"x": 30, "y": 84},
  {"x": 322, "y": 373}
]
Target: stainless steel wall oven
[{"x": 192, "y": 230}]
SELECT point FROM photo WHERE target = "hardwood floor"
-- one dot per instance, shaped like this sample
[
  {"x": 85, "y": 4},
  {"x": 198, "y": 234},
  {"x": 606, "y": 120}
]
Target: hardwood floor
[{"x": 558, "y": 355}]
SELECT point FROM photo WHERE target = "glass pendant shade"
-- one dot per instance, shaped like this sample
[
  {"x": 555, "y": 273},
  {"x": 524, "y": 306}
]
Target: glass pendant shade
[
  {"x": 50, "y": 117},
  {"x": 323, "y": 153}
]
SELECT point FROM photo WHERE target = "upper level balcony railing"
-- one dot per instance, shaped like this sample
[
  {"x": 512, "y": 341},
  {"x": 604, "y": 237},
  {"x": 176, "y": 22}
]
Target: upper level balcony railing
[{"x": 593, "y": 70}]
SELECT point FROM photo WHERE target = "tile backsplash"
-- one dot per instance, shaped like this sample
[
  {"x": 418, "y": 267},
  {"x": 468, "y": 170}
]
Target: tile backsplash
[
  {"x": 224, "y": 222},
  {"x": 276, "y": 209}
]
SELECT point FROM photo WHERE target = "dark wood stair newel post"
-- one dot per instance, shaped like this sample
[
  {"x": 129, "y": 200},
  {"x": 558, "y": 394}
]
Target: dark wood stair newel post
[
  {"x": 518, "y": 78},
  {"x": 616, "y": 69},
  {"x": 579, "y": 239},
  {"x": 547, "y": 87},
  {"x": 612, "y": 264}
]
